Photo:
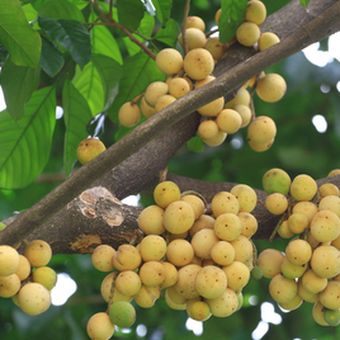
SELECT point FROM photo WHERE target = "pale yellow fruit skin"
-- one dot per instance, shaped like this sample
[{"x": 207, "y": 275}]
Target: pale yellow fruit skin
[
  {"x": 306, "y": 208},
  {"x": 88, "y": 149},
  {"x": 249, "y": 224},
  {"x": 211, "y": 282},
  {"x": 238, "y": 275},
  {"x": 247, "y": 34},
  {"x": 336, "y": 243},
  {"x": 34, "y": 298},
  {"x": 178, "y": 87},
  {"x": 165, "y": 193},
  {"x": 147, "y": 109},
  {"x": 203, "y": 241},
  {"x": 270, "y": 261},
  {"x": 178, "y": 217},
  {"x": 334, "y": 172},
  {"x": 204, "y": 222},
  {"x": 129, "y": 114},
  {"x": 298, "y": 252},
  {"x": 313, "y": 283},
  {"x": 243, "y": 249},
  {"x": 45, "y": 276},
  {"x": 261, "y": 130},
  {"x": 100, "y": 327},
  {"x": 303, "y": 188},
  {"x": 223, "y": 253},
  {"x": 276, "y": 203},
  {"x": 171, "y": 275},
  {"x": 38, "y": 253},
  {"x": 293, "y": 304},
  {"x": 194, "y": 38},
  {"x": 195, "y": 22},
  {"x": 127, "y": 257},
  {"x": 147, "y": 296},
  {"x": 271, "y": 88},
  {"x": 256, "y": 12},
  {"x": 215, "y": 47},
  {"x": 164, "y": 101},
  {"x": 229, "y": 121},
  {"x": 198, "y": 63},
  {"x": 224, "y": 305},
  {"x": 198, "y": 310},
  {"x": 297, "y": 223},
  {"x": 150, "y": 220},
  {"x": 176, "y": 298},
  {"x": 290, "y": 270},
  {"x": 332, "y": 203},
  {"x": 284, "y": 231},
  {"x": 24, "y": 268},
  {"x": 9, "y": 260},
  {"x": 224, "y": 202},
  {"x": 325, "y": 226},
  {"x": 282, "y": 290},
  {"x": 9, "y": 285},
  {"x": 217, "y": 140},
  {"x": 228, "y": 227},
  {"x": 180, "y": 252},
  {"x": 105, "y": 287},
  {"x": 169, "y": 61},
  {"x": 261, "y": 146},
  {"x": 152, "y": 248},
  {"x": 326, "y": 261},
  {"x": 242, "y": 97},
  {"x": 267, "y": 40},
  {"x": 208, "y": 129},
  {"x": 102, "y": 258},
  {"x": 246, "y": 197},
  {"x": 330, "y": 297},
  {"x": 212, "y": 109},
  {"x": 128, "y": 283},
  {"x": 306, "y": 295},
  {"x": 185, "y": 285},
  {"x": 152, "y": 274},
  {"x": 173, "y": 305},
  {"x": 155, "y": 90},
  {"x": 196, "y": 203},
  {"x": 204, "y": 81},
  {"x": 317, "y": 313},
  {"x": 245, "y": 113},
  {"x": 328, "y": 189}
]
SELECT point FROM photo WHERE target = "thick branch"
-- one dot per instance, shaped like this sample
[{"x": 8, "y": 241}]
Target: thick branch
[{"x": 320, "y": 21}]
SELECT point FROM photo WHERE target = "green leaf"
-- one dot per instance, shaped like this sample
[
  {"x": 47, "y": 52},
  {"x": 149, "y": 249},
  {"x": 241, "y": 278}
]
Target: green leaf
[
  {"x": 61, "y": 9},
  {"x": 168, "y": 35},
  {"x": 77, "y": 115},
  {"x": 25, "y": 143},
  {"x": 30, "y": 13},
  {"x": 104, "y": 43},
  {"x": 130, "y": 13},
  {"x": 71, "y": 35},
  {"x": 22, "y": 42},
  {"x": 110, "y": 72},
  {"x": 163, "y": 10},
  {"x": 304, "y": 2},
  {"x": 138, "y": 72},
  {"x": 18, "y": 84},
  {"x": 89, "y": 83},
  {"x": 195, "y": 144},
  {"x": 233, "y": 12},
  {"x": 51, "y": 60}
]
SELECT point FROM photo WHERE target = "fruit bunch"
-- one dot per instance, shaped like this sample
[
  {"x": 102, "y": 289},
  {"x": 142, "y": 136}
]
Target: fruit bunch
[
  {"x": 309, "y": 268},
  {"x": 26, "y": 278},
  {"x": 201, "y": 260},
  {"x": 195, "y": 69}
]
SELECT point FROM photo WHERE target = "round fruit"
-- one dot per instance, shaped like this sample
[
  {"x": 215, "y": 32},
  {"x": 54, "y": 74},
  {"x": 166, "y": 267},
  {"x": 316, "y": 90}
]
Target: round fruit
[
  {"x": 155, "y": 90},
  {"x": 223, "y": 253},
  {"x": 215, "y": 47},
  {"x": 256, "y": 12},
  {"x": 208, "y": 129},
  {"x": 203, "y": 241},
  {"x": 180, "y": 252},
  {"x": 248, "y": 34},
  {"x": 147, "y": 296},
  {"x": 169, "y": 61},
  {"x": 238, "y": 275},
  {"x": 150, "y": 220},
  {"x": 245, "y": 113},
  {"x": 24, "y": 268},
  {"x": 88, "y": 149},
  {"x": 276, "y": 203},
  {"x": 303, "y": 188},
  {"x": 267, "y": 40},
  {"x": 213, "y": 108},
  {"x": 178, "y": 217},
  {"x": 127, "y": 257},
  {"x": 271, "y": 88},
  {"x": 152, "y": 248},
  {"x": 196, "y": 203},
  {"x": 122, "y": 314},
  {"x": 198, "y": 310},
  {"x": 270, "y": 261},
  {"x": 38, "y": 252},
  {"x": 229, "y": 121},
  {"x": 128, "y": 283},
  {"x": 185, "y": 285},
  {"x": 298, "y": 252},
  {"x": 261, "y": 130},
  {"x": 102, "y": 258},
  {"x": 165, "y": 193},
  {"x": 152, "y": 274},
  {"x": 282, "y": 290},
  {"x": 194, "y": 38},
  {"x": 100, "y": 326},
  {"x": 178, "y": 87},
  {"x": 326, "y": 261},
  {"x": 246, "y": 197},
  {"x": 224, "y": 305},
  {"x": 224, "y": 202},
  {"x": 249, "y": 224},
  {"x": 198, "y": 63},
  {"x": 9, "y": 285},
  {"x": 276, "y": 180},
  {"x": 45, "y": 276},
  {"x": 217, "y": 140},
  {"x": 129, "y": 114},
  {"x": 9, "y": 260},
  {"x": 195, "y": 22},
  {"x": 228, "y": 227}
]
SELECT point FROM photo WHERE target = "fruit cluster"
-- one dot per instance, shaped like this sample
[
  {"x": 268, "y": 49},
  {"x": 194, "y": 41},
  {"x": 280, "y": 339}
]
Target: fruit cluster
[
  {"x": 201, "y": 260},
  {"x": 27, "y": 278},
  {"x": 309, "y": 268},
  {"x": 219, "y": 119}
]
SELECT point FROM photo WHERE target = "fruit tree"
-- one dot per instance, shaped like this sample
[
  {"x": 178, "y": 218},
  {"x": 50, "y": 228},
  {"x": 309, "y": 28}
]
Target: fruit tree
[{"x": 169, "y": 169}]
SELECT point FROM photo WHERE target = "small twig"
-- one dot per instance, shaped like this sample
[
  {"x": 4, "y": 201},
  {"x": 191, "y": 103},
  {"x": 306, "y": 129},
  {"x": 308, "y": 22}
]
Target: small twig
[
  {"x": 110, "y": 8},
  {"x": 185, "y": 16}
]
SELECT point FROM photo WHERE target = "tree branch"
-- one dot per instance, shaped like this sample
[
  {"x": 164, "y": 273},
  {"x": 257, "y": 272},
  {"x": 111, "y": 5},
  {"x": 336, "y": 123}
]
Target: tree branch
[
  {"x": 320, "y": 21},
  {"x": 183, "y": 28}
]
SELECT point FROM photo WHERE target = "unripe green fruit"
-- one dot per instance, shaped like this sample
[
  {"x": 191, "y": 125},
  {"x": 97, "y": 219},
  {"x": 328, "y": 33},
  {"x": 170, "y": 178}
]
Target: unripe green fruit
[
  {"x": 38, "y": 252},
  {"x": 256, "y": 12},
  {"x": 198, "y": 63},
  {"x": 248, "y": 34},
  {"x": 169, "y": 61},
  {"x": 100, "y": 327},
  {"x": 267, "y": 40},
  {"x": 45, "y": 276},
  {"x": 198, "y": 310},
  {"x": 34, "y": 298},
  {"x": 165, "y": 193},
  {"x": 180, "y": 252},
  {"x": 271, "y": 88},
  {"x": 9, "y": 260},
  {"x": 257, "y": 273},
  {"x": 9, "y": 285},
  {"x": 276, "y": 180},
  {"x": 122, "y": 314},
  {"x": 303, "y": 188},
  {"x": 332, "y": 317},
  {"x": 178, "y": 217},
  {"x": 224, "y": 305},
  {"x": 150, "y": 220},
  {"x": 102, "y": 258},
  {"x": 88, "y": 149},
  {"x": 129, "y": 114},
  {"x": 224, "y": 202}
]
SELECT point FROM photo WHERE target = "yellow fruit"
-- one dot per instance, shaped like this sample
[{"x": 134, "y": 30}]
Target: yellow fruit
[
  {"x": 212, "y": 109},
  {"x": 169, "y": 61},
  {"x": 313, "y": 283},
  {"x": 224, "y": 202},
  {"x": 24, "y": 268},
  {"x": 170, "y": 302},
  {"x": 245, "y": 113},
  {"x": 298, "y": 252},
  {"x": 38, "y": 252},
  {"x": 129, "y": 114},
  {"x": 9, "y": 260},
  {"x": 276, "y": 203},
  {"x": 267, "y": 40},
  {"x": 165, "y": 193},
  {"x": 276, "y": 180},
  {"x": 147, "y": 296},
  {"x": 293, "y": 304},
  {"x": 306, "y": 295},
  {"x": 102, "y": 258},
  {"x": 271, "y": 88},
  {"x": 256, "y": 12},
  {"x": 196, "y": 203},
  {"x": 178, "y": 87},
  {"x": 204, "y": 81},
  {"x": 318, "y": 314},
  {"x": 105, "y": 287},
  {"x": 195, "y": 22},
  {"x": 185, "y": 285},
  {"x": 147, "y": 109},
  {"x": 198, "y": 310},
  {"x": 334, "y": 172},
  {"x": 249, "y": 224},
  {"x": 127, "y": 257},
  {"x": 178, "y": 217},
  {"x": 260, "y": 146},
  {"x": 194, "y": 38},
  {"x": 270, "y": 261},
  {"x": 242, "y": 97},
  {"x": 223, "y": 253},
  {"x": 180, "y": 252},
  {"x": 100, "y": 327},
  {"x": 238, "y": 275},
  {"x": 332, "y": 203},
  {"x": 247, "y": 34},
  {"x": 329, "y": 189},
  {"x": 171, "y": 275},
  {"x": 45, "y": 276},
  {"x": 309, "y": 209},
  {"x": 325, "y": 226},
  {"x": 217, "y": 140},
  {"x": 261, "y": 130},
  {"x": 155, "y": 90},
  {"x": 282, "y": 290},
  {"x": 284, "y": 231},
  {"x": 215, "y": 47},
  {"x": 88, "y": 149},
  {"x": 303, "y": 188},
  {"x": 208, "y": 129},
  {"x": 164, "y": 101},
  {"x": 229, "y": 121},
  {"x": 198, "y": 63},
  {"x": 297, "y": 223},
  {"x": 152, "y": 274},
  {"x": 176, "y": 298},
  {"x": 9, "y": 285},
  {"x": 330, "y": 297},
  {"x": 204, "y": 222},
  {"x": 228, "y": 227},
  {"x": 326, "y": 261},
  {"x": 224, "y": 305},
  {"x": 152, "y": 248},
  {"x": 128, "y": 283},
  {"x": 292, "y": 271},
  {"x": 203, "y": 241},
  {"x": 243, "y": 249},
  {"x": 150, "y": 220},
  {"x": 246, "y": 197}
]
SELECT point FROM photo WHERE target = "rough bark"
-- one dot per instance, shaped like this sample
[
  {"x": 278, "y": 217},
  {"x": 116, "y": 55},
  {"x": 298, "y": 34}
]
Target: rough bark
[{"x": 297, "y": 29}]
